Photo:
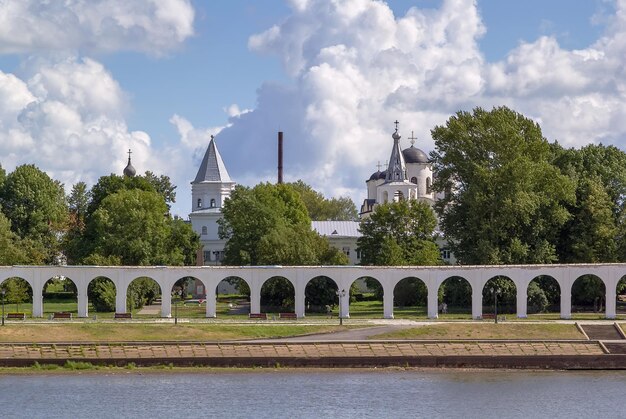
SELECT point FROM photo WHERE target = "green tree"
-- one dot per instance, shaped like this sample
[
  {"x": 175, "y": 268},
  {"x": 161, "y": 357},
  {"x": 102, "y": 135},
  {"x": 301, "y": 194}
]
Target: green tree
[
  {"x": 163, "y": 186},
  {"x": 269, "y": 225},
  {"x": 399, "y": 233},
  {"x": 505, "y": 201},
  {"x": 17, "y": 291},
  {"x": 134, "y": 226},
  {"x": 321, "y": 209},
  {"x": 36, "y": 206},
  {"x": 12, "y": 250}
]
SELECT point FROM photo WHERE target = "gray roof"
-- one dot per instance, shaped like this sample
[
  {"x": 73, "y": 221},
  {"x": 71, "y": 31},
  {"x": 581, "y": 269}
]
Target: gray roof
[
  {"x": 212, "y": 168},
  {"x": 336, "y": 228}
]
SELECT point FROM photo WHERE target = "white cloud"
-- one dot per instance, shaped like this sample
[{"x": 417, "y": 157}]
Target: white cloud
[
  {"x": 356, "y": 68},
  {"x": 66, "y": 119},
  {"x": 152, "y": 26}
]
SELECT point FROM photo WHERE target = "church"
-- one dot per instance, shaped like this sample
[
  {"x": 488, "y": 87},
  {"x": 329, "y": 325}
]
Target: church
[{"x": 408, "y": 175}]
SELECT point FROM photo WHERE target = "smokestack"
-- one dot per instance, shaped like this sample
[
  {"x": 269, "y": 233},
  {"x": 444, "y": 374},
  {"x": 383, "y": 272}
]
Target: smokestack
[{"x": 280, "y": 157}]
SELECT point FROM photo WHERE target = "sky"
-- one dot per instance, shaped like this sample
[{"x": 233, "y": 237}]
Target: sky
[{"x": 81, "y": 82}]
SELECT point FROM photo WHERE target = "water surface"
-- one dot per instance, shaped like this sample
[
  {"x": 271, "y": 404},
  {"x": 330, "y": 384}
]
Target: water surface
[{"x": 315, "y": 394}]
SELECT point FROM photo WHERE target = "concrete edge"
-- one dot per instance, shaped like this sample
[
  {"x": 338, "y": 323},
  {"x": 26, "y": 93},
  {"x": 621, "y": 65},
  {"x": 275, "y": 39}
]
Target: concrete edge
[
  {"x": 565, "y": 362},
  {"x": 581, "y": 330},
  {"x": 619, "y": 330}
]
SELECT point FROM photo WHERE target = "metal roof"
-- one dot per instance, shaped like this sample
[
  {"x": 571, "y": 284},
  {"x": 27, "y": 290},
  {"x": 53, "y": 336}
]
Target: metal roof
[
  {"x": 212, "y": 168},
  {"x": 336, "y": 228}
]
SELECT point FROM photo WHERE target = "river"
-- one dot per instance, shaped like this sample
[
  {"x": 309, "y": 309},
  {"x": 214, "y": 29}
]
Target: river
[{"x": 315, "y": 394}]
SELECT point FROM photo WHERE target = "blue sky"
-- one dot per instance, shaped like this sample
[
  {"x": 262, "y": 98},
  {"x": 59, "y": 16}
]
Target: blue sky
[{"x": 82, "y": 83}]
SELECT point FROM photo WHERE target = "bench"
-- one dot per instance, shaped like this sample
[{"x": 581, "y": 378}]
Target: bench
[
  {"x": 16, "y": 316},
  {"x": 258, "y": 316},
  {"x": 62, "y": 315},
  {"x": 493, "y": 316},
  {"x": 123, "y": 316},
  {"x": 290, "y": 316}
]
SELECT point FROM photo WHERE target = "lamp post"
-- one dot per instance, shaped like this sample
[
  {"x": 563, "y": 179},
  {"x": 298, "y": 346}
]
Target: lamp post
[
  {"x": 340, "y": 294},
  {"x": 495, "y": 292},
  {"x": 3, "y": 293},
  {"x": 176, "y": 293}
]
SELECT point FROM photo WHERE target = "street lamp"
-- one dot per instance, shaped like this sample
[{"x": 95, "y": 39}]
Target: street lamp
[
  {"x": 340, "y": 294},
  {"x": 495, "y": 292},
  {"x": 3, "y": 293},
  {"x": 176, "y": 293}
]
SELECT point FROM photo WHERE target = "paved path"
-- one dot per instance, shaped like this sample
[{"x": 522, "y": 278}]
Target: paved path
[{"x": 292, "y": 349}]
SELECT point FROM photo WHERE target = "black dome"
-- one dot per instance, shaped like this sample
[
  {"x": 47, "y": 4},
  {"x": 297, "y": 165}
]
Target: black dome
[
  {"x": 414, "y": 155},
  {"x": 129, "y": 170},
  {"x": 382, "y": 175},
  {"x": 375, "y": 175}
]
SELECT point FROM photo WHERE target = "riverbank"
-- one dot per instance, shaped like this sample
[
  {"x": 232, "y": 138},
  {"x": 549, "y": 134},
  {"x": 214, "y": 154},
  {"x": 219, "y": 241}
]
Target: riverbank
[{"x": 556, "y": 354}]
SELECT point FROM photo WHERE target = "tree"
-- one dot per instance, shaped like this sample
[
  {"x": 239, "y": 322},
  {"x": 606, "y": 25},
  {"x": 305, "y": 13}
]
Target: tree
[
  {"x": 35, "y": 204},
  {"x": 320, "y": 208},
  {"x": 163, "y": 186},
  {"x": 399, "y": 233},
  {"x": 17, "y": 291},
  {"x": 134, "y": 226},
  {"x": 269, "y": 225},
  {"x": 595, "y": 233},
  {"x": 78, "y": 202},
  {"x": 12, "y": 249},
  {"x": 505, "y": 201}
]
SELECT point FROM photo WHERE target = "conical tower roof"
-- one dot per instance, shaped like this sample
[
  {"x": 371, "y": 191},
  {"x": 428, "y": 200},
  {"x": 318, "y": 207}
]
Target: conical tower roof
[
  {"x": 396, "y": 171},
  {"x": 212, "y": 168}
]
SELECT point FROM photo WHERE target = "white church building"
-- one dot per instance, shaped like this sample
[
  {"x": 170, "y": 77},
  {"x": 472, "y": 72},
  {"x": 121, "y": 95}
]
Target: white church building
[{"x": 408, "y": 176}]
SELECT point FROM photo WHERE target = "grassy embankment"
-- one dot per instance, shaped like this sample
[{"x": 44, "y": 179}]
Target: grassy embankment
[
  {"x": 451, "y": 331},
  {"x": 137, "y": 332}
]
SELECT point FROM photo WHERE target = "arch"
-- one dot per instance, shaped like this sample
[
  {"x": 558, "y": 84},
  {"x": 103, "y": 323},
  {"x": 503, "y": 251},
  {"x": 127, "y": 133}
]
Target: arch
[
  {"x": 455, "y": 297},
  {"x": 320, "y": 292},
  {"x": 142, "y": 294},
  {"x": 620, "y": 296},
  {"x": 366, "y": 298},
  {"x": 543, "y": 295},
  {"x": 414, "y": 180},
  {"x": 385, "y": 197},
  {"x": 588, "y": 294},
  {"x": 410, "y": 297},
  {"x": 233, "y": 296},
  {"x": 101, "y": 293},
  {"x": 60, "y": 295},
  {"x": 277, "y": 295},
  {"x": 187, "y": 302},
  {"x": 507, "y": 297},
  {"x": 428, "y": 185},
  {"x": 19, "y": 292}
]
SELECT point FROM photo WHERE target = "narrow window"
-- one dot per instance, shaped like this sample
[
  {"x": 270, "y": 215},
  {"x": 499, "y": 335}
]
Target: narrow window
[
  {"x": 414, "y": 180},
  {"x": 212, "y": 203},
  {"x": 199, "y": 203},
  {"x": 204, "y": 230},
  {"x": 428, "y": 185}
]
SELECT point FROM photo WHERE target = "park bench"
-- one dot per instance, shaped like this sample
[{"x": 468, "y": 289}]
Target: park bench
[
  {"x": 289, "y": 316},
  {"x": 62, "y": 315},
  {"x": 258, "y": 316},
  {"x": 16, "y": 316},
  {"x": 491, "y": 316},
  {"x": 123, "y": 316}
]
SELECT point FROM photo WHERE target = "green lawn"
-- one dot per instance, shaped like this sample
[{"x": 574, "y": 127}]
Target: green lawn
[
  {"x": 127, "y": 332},
  {"x": 486, "y": 331}
]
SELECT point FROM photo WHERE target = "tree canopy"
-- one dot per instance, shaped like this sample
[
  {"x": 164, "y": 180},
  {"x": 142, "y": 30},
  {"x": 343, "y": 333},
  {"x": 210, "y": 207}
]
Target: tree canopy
[
  {"x": 505, "y": 201},
  {"x": 399, "y": 233},
  {"x": 269, "y": 224},
  {"x": 321, "y": 209}
]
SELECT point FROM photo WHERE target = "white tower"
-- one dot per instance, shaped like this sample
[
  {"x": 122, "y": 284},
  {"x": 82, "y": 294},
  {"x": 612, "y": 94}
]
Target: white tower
[{"x": 209, "y": 190}]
